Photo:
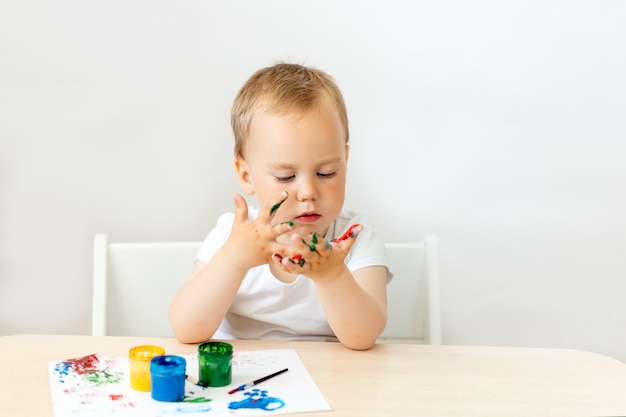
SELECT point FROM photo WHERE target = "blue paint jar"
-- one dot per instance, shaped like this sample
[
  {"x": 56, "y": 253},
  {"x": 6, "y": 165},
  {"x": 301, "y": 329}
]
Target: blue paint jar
[{"x": 167, "y": 377}]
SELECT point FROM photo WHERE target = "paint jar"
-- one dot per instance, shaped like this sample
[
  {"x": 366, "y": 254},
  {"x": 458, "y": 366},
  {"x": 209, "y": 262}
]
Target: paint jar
[
  {"x": 168, "y": 377},
  {"x": 215, "y": 363},
  {"x": 139, "y": 361}
]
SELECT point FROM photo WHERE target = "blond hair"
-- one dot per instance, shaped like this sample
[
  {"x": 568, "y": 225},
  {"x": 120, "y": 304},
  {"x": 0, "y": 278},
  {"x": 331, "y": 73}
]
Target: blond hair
[{"x": 282, "y": 89}]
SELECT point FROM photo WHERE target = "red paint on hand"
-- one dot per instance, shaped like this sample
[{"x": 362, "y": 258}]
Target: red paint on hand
[
  {"x": 297, "y": 259},
  {"x": 349, "y": 233}
]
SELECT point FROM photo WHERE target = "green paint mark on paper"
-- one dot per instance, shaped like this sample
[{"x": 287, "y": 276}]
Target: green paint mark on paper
[
  {"x": 196, "y": 400},
  {"x": 103, "y": 377}
]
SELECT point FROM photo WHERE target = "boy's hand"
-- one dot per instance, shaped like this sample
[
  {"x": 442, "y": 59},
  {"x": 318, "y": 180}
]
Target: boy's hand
[
  {"x": 253, "y": 242},
  {"x": 319, "y": 258}
]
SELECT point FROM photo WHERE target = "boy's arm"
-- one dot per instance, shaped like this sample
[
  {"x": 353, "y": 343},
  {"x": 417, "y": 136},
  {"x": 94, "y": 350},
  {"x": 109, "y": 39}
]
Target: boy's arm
[
  {"x": 198, "y": 308},
  {"x": 200, "y": 305},
  {"x": 355, "y": 305}
]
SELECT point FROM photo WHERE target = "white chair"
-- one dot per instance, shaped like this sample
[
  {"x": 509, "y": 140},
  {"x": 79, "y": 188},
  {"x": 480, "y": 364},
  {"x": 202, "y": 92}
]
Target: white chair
[
  {"x": 413, "y": 307},
  {"x": 133, "y": 284}
]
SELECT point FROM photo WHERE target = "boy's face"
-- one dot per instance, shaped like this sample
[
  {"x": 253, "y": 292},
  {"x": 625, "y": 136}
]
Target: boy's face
[{"x": 304, "y": 154}]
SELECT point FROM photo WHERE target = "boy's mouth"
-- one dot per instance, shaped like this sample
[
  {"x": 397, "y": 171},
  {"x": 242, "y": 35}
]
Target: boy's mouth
[{"x": 308, "y": 217}]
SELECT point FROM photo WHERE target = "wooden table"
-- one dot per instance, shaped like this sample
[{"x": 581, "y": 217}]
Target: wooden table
[{"x": 388, "y": 380}]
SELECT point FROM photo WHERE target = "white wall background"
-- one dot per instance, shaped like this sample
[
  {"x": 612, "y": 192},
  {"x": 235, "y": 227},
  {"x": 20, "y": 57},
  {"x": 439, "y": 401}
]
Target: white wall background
[{"x": 499, "y": 126}]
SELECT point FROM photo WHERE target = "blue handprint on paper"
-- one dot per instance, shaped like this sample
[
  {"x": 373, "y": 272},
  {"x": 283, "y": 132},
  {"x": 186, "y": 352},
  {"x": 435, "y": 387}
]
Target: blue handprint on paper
[{"x": 257, "y": 399}]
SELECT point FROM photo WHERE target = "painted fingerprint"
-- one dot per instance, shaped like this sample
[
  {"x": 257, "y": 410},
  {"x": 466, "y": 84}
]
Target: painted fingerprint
[
  {"x": 89, "y": 368},
  {"x": 257, "y": 398}
]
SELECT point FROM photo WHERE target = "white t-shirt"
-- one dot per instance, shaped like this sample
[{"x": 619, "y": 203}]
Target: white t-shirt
[{"x": 266, "y": 308}]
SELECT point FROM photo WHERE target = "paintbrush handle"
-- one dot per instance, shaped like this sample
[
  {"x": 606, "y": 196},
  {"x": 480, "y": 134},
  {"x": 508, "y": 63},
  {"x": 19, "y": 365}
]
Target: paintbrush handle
[{"x": 257, "y": 381}]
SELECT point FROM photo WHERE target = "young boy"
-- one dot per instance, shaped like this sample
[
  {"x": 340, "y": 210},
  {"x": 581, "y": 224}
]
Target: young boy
[{"x": 284, "y": 270}]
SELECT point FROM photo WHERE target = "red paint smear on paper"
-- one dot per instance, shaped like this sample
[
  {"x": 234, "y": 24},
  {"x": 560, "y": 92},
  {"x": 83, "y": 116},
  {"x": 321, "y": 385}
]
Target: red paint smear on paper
[{"x": 84, "y": 364}]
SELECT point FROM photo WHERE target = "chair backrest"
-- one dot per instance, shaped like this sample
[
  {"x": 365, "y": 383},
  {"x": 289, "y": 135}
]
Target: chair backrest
[
  {"x": 133, "y": 284},
  {"x": 413, "y": 307}
]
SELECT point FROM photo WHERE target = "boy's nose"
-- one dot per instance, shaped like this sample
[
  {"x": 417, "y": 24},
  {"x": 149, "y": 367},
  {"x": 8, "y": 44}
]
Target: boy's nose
[{"x": 307, "y": 191}]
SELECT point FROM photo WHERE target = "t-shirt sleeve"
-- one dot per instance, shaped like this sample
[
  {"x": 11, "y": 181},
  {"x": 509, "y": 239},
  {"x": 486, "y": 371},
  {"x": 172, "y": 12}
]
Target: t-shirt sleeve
[
  {"x": 216, "y": 237},
  {"x": 369, "y": 248}
]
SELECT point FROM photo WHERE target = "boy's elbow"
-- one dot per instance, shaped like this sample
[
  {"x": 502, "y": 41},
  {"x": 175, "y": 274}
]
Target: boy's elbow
[
  {"x": 364, "y": 346},
  {"x": 362, "y": 341},
  {"x": 358, "y": 343},
  {"x": 189, "y": 336},
  {"x": 186, "y": 340},
  {"x": 188, "y": 333}
]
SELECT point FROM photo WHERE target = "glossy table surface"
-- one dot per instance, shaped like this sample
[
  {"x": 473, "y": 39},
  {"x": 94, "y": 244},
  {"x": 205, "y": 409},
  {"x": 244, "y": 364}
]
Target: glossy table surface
[{"x": 388, "y": 380}]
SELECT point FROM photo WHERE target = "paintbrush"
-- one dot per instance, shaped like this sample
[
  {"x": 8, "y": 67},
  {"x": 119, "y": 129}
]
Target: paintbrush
[
  {"x": 256, "y": 381},
  {"x": 195, "y": 381}
]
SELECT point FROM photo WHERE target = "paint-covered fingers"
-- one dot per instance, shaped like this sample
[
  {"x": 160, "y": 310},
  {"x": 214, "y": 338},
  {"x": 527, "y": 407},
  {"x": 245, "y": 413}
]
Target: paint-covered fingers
[
  {"x": 298, "y": 259},
  {"x": 277, "y": 202},
  {"x": 350, "y": 233},
  {"x": 269, "y": 213},
  {"x": 293, "y": 264},
  {"x": 344, "y": 242},
  {"x": 317, "y": 257},
  {"x": 295, "y": 258},
  {"x": 307, "y": 253},
  {"x": 303, "y": 247},
  {"x": 317, "y": 243},
  {"x": 281, "y": 228}
]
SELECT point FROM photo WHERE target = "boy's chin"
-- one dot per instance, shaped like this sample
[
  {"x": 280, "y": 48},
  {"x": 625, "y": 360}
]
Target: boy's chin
[{"x": 307, "y": 232}]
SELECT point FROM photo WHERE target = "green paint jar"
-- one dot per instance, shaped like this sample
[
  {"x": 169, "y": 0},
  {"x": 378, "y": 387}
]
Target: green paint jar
[{"x": 215, "y": 364}]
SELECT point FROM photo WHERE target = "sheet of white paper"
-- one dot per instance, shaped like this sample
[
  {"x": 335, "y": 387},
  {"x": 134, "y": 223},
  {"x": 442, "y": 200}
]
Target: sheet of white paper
[{"x": 96, "y": 386}]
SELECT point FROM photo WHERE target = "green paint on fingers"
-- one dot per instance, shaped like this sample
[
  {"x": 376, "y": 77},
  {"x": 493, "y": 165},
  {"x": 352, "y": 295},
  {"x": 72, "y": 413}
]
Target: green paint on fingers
[{"x": 277, "y": 205}]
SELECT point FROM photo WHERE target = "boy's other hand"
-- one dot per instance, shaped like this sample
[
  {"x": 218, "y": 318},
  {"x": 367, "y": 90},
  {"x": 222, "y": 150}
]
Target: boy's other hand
[
  {"x": 253, "y": 242},
  {"x": 318, "y": 258}
]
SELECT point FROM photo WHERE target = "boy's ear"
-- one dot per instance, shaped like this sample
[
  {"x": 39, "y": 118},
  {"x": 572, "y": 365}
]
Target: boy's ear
[
  {"x": 347, "y": 151},
  {"x": 244, "y": 176}
]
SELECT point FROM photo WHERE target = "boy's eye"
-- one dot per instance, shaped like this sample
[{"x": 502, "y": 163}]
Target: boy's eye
[
  {"x": 326, "y": 174},
  {"x": 285, "y": 179},
  {"x": 288, "y": 178}
]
